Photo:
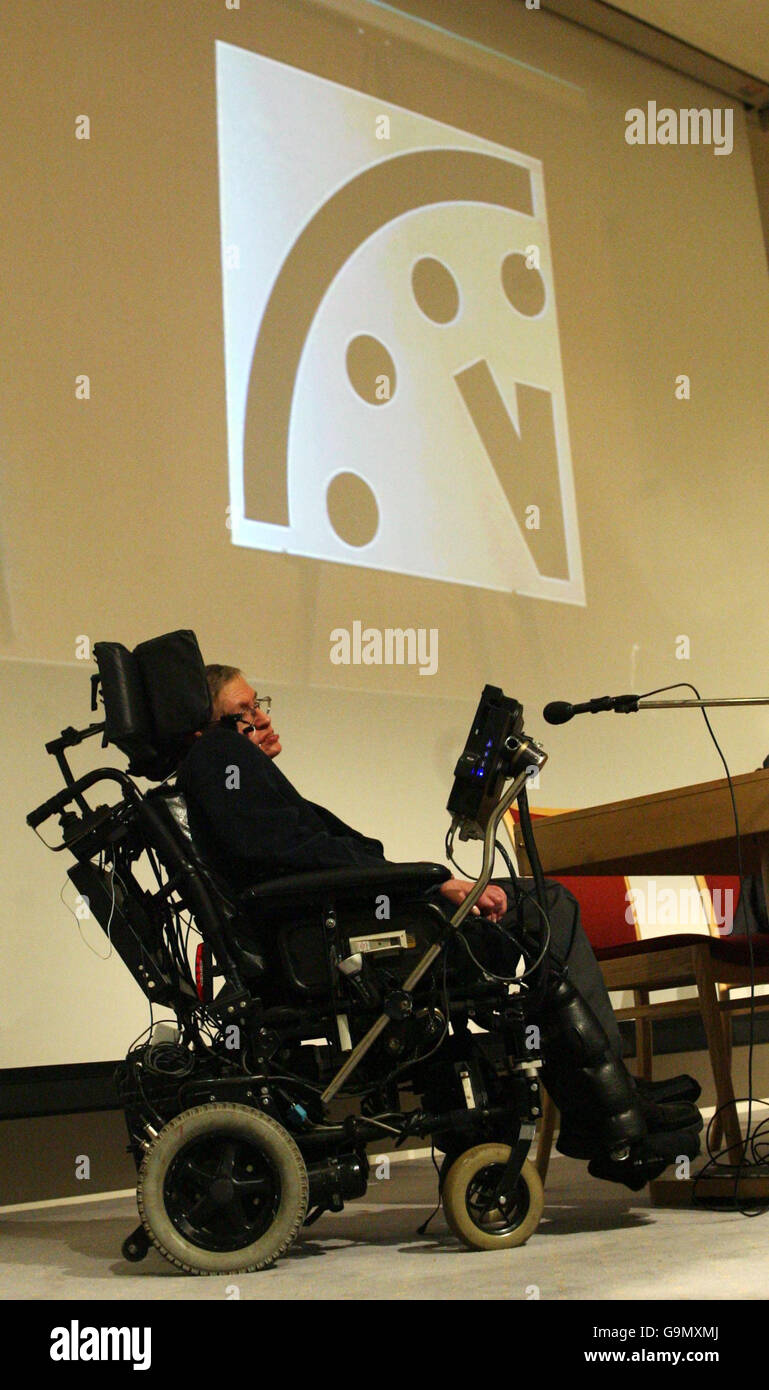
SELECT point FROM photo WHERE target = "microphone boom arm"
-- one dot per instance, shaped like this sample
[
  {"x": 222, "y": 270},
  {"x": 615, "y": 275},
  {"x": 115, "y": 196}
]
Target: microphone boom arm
[{"x": 686, "y": 704}]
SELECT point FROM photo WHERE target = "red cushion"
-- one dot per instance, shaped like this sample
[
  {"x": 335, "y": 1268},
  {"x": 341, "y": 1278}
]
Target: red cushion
[
  {"x": 603, "y": 906},
  {"x": 725, "y": 893}
]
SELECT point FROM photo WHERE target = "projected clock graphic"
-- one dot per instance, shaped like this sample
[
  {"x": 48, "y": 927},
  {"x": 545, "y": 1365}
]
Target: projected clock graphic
[{"x": 394, "y": 388}]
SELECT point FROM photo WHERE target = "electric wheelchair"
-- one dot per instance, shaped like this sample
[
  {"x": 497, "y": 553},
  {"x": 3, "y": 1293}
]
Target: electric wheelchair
[{"x": 315, "y": 1015}]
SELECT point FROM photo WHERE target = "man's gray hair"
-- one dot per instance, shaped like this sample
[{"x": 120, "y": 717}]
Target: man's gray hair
[{"x": 218, "y": 677}]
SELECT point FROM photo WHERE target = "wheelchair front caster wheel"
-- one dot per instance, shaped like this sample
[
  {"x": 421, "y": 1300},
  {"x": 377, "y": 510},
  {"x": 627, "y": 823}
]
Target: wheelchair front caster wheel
[
  {"x": 222, "y": 1190},
  {"x": 135, "y": 1246},
  {"x": 472, "y": 1212}
]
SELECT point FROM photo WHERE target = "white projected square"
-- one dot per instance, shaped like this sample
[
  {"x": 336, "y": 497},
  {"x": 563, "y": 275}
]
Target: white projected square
[{"x": 395, "y": 395}]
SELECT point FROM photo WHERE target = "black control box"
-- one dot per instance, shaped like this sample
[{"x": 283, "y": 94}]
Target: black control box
[{"x": 486, "y": 763}]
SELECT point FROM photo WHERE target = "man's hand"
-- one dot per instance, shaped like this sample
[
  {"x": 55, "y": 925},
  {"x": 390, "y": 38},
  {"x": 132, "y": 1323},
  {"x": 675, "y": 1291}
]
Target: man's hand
[{"x": 492, "y": 903}]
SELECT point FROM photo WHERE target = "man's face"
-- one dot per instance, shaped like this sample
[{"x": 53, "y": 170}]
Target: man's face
[{"x": 238, "y": 698}]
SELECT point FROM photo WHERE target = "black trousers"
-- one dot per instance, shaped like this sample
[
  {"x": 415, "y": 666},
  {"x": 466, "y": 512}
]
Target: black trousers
[{"x": 568, "y": 947}]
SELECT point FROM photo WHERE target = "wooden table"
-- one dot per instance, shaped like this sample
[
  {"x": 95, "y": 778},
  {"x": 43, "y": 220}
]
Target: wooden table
[{"x": 688, "y": 830}]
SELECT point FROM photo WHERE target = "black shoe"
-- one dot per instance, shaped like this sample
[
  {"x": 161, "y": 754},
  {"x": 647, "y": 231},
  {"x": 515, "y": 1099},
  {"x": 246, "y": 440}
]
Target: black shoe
[
  {"x": 669, "y": 1116},
  {"x": 676, "y": 1088},
  {"x": 653, "y": 1156},
  {"x": 663, "y": 1120}
]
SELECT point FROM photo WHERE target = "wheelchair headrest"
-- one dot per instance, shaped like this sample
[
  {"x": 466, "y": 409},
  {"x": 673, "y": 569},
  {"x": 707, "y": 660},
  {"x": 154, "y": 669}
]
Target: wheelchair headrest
[{"x": 155, "y": 698}]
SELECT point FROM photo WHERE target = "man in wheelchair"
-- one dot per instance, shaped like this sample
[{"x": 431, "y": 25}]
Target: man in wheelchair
[
  {"x": 252, "y": 822},
  {"x": 453, "y": 998}
]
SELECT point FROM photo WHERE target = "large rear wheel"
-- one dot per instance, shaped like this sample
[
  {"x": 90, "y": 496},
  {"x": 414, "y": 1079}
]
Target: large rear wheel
[{"x": 222, "y": 1189}]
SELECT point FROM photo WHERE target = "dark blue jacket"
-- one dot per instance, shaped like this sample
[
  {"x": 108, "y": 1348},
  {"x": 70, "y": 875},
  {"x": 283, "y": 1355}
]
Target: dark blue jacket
[{"x": 252, "y": 823}]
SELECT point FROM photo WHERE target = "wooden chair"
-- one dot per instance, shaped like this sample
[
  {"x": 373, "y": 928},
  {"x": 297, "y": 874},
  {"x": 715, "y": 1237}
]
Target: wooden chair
[{"x": 698, "y": 956}]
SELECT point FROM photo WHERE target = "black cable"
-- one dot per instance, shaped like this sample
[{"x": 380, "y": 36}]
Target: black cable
[
  {"x": 520, "y": 892},
  {"x": 449, "y": 847},
  {"x": 169, "y": 1059},
  {"x": 485, "y": 970},
  {"x": 136, "y": 1067},
  {"x": 509, "y": 937},
  {"x": 508, "y": 861},
  {"x": 530, "y": 843},
  {"x": 538, "y": 876},
  {"x": 422, "y": 1230},
  {"x": 115, "y": 874},
  {"x": 172, "y": 916},
  {"x": 498, "y": 846},
  {"x": 532, "y": 894},
  {"x": 758, "y": 1159}
]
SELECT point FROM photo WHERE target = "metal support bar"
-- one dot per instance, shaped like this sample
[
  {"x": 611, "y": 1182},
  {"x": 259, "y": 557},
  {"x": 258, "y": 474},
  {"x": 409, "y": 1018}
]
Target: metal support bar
[{"x": 377, "y": 1028}]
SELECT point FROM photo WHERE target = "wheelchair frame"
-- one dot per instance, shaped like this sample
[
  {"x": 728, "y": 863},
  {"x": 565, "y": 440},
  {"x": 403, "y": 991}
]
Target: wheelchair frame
[{"x": 228, "y": 1112}]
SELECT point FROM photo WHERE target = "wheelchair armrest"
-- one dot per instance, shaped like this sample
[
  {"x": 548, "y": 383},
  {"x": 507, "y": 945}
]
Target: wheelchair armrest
[{"x": 397, "y": 880}]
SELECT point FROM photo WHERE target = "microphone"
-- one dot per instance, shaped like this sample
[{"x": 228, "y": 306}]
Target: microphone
[{"x": 560, "y": 711}]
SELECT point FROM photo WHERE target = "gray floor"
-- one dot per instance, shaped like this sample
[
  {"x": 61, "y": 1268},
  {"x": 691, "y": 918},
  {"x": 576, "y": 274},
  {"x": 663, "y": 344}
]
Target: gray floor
[{"x": 595, "y": 1241}]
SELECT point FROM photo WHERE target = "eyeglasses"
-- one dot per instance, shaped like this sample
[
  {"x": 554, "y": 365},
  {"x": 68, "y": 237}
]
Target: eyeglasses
[{"x": 261, "y": 702}]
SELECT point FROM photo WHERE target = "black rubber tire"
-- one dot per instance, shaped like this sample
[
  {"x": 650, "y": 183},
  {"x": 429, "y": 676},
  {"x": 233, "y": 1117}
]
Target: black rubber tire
[
  {"x": 463, "y": 1184},
  {"x": 173, "y": 1173}
]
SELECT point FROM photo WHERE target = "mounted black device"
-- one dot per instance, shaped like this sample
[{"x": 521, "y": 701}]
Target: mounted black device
[{"x": 489, "y": 758}]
